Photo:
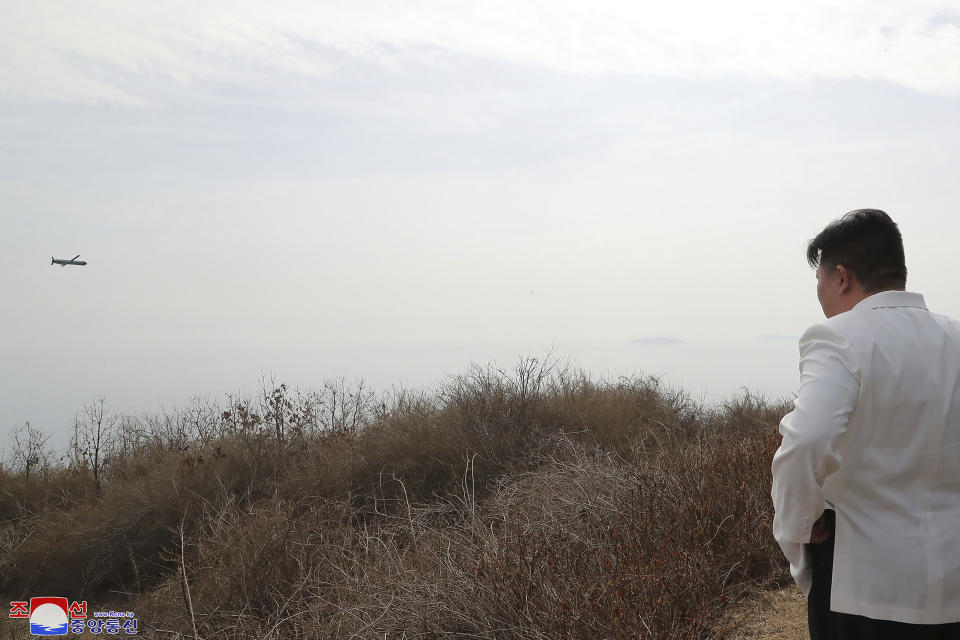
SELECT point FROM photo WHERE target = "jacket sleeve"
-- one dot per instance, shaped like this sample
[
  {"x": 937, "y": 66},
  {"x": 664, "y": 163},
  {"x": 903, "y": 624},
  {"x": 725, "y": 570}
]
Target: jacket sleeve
[{"x": 829, "y": 388}]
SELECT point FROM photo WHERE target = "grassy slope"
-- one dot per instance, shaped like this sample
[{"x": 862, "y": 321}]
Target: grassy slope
[{"x": 534, "y": 503}]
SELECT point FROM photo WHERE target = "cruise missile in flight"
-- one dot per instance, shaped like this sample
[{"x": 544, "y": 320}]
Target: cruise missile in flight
[{"x": 64, "y": 263}]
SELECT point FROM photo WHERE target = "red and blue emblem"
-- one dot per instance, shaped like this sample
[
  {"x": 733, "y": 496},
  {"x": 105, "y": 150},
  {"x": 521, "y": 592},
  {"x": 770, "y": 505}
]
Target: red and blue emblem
[{"x": 49, "y": 616}]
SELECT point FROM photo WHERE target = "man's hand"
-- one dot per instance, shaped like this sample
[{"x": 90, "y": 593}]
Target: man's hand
[{"x": 819, "y": 533}]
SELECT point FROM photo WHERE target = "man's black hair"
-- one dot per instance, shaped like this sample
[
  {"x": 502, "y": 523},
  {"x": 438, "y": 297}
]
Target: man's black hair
[{"x": 868, "y": 243}]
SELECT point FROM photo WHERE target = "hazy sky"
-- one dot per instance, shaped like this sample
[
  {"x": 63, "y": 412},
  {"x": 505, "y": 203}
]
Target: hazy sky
[{"x": 391, "y": 190}]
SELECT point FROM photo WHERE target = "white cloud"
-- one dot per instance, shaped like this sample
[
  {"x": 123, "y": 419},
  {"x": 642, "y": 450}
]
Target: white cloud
[{"x": 85, "y": 51}]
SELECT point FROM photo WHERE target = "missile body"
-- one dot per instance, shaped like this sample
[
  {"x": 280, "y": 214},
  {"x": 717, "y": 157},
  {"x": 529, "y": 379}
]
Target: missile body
[{"x": 62, "y": 263}]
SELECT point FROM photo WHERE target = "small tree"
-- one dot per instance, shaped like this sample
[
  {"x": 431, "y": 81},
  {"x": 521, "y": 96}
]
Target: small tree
[
  {"x": 31, "y": 450},
  {"x": 93, "y": 439}
]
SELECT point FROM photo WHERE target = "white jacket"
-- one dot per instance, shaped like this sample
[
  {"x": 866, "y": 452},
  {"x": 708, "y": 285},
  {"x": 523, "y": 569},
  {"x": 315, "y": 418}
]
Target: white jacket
[{"x": 875, "y": 435}]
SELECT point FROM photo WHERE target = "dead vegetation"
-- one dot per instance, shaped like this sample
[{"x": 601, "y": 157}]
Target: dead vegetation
[{"x": 527, "y": 504}]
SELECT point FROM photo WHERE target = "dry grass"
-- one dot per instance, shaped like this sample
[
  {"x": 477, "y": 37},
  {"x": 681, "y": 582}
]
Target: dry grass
[
  {"x": 771, "y": 615},
  {"x": 537, "y": 503}
]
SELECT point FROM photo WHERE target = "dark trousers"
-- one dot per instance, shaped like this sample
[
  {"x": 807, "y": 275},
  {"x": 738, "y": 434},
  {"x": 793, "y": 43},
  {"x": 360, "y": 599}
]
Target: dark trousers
[{"x": 829, "y": 625}]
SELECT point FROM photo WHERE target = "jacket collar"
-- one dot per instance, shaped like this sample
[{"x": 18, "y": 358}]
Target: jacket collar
[{"x": 892, "y": 298}]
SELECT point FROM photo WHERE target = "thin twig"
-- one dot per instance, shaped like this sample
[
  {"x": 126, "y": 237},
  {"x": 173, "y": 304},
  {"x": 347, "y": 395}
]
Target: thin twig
[
  {"x": 186, "y": 586},
  {"x": 413, "y": 531}
]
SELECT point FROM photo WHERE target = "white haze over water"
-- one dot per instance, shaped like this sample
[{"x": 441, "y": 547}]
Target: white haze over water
[{"x": 391, "y": 191}]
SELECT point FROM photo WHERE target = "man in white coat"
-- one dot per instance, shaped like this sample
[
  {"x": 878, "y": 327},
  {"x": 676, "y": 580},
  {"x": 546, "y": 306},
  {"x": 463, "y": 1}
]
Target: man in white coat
[{"x": 866, "y": 482}]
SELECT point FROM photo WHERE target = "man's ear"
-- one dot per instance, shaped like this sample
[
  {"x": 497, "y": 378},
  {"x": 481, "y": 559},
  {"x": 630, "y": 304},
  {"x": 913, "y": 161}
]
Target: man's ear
[{"x": 845, "y": 281}]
